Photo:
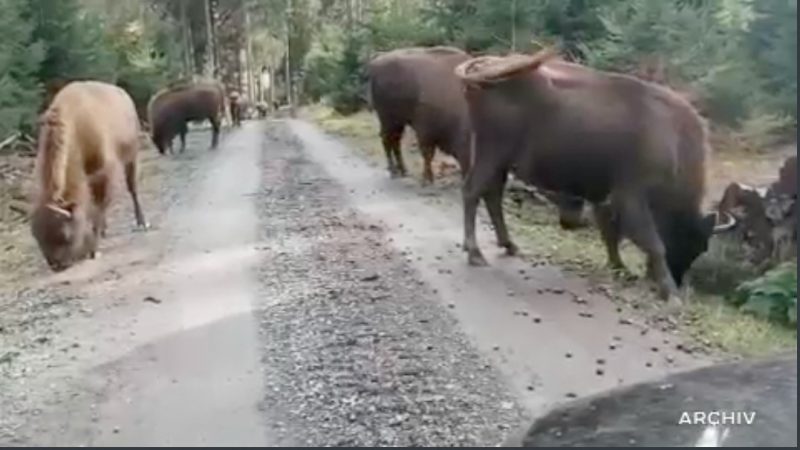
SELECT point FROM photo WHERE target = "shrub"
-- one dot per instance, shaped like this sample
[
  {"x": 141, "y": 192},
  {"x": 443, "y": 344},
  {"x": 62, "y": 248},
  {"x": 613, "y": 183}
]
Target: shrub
[{"x": 772, "y": 296}]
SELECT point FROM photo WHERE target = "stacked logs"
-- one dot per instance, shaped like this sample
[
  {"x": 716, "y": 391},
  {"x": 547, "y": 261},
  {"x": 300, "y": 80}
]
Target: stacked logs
[{"x": 766, "y": 217}]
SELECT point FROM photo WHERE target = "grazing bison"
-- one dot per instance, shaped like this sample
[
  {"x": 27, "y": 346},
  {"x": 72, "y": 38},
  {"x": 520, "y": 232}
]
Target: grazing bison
[
  {"x": 88, "y": 136},
  {"x": 635, "y": 150},
  {"x": 417, "y": 87},
  {"x": 171, "y": 109},
  {"x": 237, "y": 106},
  {"x": 742, "y": 404},
  {"x": 262, "y": 109}
]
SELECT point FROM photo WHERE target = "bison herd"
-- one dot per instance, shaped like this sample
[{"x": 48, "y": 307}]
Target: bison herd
[
  {"x": 89, "y": 136},
  {"x": 635, "y": 151}
]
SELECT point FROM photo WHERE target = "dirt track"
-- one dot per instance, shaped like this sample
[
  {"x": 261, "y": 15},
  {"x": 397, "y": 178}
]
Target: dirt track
[{"x": 291, "y": 294}]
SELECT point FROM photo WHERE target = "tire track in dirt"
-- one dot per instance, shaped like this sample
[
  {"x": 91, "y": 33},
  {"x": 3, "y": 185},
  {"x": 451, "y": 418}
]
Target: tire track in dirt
[{"x": 357, "y": 351}]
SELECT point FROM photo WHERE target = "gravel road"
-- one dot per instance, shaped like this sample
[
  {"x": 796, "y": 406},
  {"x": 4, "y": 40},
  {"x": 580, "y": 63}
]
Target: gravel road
[{"x": 289, "y": 294}]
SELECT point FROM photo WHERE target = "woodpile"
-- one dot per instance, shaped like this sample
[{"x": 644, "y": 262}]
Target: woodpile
[{"x": 766, "y": 217}]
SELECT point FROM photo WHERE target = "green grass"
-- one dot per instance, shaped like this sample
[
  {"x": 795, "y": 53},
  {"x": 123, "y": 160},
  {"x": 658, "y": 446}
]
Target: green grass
[
  {"x": 725, "y": 327},
  {"x": 707, "y": 318}
]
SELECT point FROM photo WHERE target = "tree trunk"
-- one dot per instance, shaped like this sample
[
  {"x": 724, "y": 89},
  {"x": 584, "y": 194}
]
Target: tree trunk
[
  {"x": 211, "y": 57},
  {"x": 249, "y": 69},
  {"x": 289, "y": 14},
  {"x": 513, "y": 25},
  {"x": 271, "y": 89},
  {"x": 188, "y": 46}
]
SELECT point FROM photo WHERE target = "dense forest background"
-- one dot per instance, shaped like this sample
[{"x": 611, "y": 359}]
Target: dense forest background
[{"x": 735, "y": 59}]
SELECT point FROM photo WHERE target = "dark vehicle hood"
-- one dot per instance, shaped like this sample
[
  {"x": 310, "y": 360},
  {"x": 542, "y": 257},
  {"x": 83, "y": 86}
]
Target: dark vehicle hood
[{"x": 754, "y": 403}]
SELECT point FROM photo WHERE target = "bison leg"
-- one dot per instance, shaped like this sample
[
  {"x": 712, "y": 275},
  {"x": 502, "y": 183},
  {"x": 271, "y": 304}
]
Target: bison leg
[
  {"x": 214, "y": 132},
  {"x": 639, "y": 226},
  {"x": 391, "y": 145},
  {"x": 481, "y": 180},
  {"x": 398, "y": 156},
  {"x": 609, "y": 227},
  {"x": 428, "y": 152},
  {"x": 494, "y": 204},
  {"x": 99, "y": 187},
  {"x": 183, "y": 131},
  {"x": 130, "y": 182}
]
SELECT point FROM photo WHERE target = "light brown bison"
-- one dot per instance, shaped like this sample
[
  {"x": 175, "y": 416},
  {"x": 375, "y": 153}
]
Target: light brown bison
[
  {"x": 416, "y": 87},
  {"x": 635, "y": 150},
  {"x": 88, "y": 136},
  {"x": 171, "y": 109}
]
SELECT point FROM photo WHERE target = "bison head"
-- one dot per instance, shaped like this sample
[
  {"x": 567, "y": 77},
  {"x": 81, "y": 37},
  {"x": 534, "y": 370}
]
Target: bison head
[
  {"x": 687, "y": 238},
  {"x": 63, "y": 238}
]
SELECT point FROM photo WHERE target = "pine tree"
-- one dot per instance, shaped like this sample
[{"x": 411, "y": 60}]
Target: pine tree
[
  {"x": 19, "y": 62},
  {"x": 74, "y": 41}
]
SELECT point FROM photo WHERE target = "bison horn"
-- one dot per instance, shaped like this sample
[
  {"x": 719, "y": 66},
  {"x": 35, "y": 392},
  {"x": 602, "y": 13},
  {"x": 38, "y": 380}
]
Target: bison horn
[
  {"x": 722, "y": 227},
  {"x": 59, "y": 210}
]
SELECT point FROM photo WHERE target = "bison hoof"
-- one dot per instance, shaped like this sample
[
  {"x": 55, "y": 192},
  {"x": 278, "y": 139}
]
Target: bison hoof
[
  {"x": 669, "y": 293},
  {"x": 622, "y": 273},
  {"x": 511, "y": 249},
  {"x": 674, "y": 301},
  {"x": 476, "y": 259},
  {"x": 142, "y": 227}
]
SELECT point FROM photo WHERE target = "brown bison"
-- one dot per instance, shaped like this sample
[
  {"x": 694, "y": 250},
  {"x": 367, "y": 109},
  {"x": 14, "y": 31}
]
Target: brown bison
[
  {"x": 417, "y": 87},
  {"x": 88, "y": 136},
  {"x": 171, "y": 109},
  {"x": 635, "y": 150},
  {"x": 237, "y": 106}
]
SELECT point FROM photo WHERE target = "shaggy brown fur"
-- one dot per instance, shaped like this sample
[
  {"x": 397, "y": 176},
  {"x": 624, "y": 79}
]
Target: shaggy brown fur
[
  {"x": 416, "y": 87},
  {"x": 87, "y": 137},
  {"x": 634, "y": 149},
  {"x": 171, "y": 109}
]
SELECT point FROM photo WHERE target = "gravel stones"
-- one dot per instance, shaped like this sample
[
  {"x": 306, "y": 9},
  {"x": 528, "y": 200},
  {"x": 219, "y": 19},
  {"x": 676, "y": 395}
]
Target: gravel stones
[{"x": 346, "y": 370}]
